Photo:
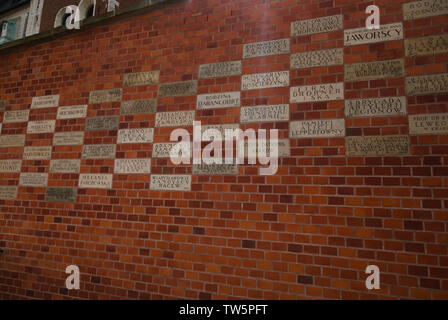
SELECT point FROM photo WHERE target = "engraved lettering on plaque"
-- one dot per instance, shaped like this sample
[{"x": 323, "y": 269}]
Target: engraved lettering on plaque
[
  {"x": 59, "y": 194},
  {"x": 12, "y": 140},
  {"x": 428, "y": 45},
  {"x": 435, "y": 83},
  {"x": 45, "y": 102},
  {"x": 45, "y": 126},
  {"x": 319, "y": 92},
  {"x": 98, "y": 151},
  {"x": 374, "y": 107},
  {"x": 175, "y": 119},
  {"x": 377, "y": 145},
  {"x": 278, "y": 112},
  {"x": 219, "y": 100},
  {"x": 95, "y": 181},
  {"x": 317, "y": 25},
  {"x": 37, "y": 153},
  {"x": 171, "y": 182},
  {"x": 374, "y": 70},
  {"x": 72, "y": 112},
  {"x": 65, "y": 166},
  {"x": 424, "y": 9},
  {"x": 69, "y": 138},
  {"x": 266, "y": 48},
  {"x": 141, "y": 78},
  {"x": 177, "y": 89},
  {"x": 139, "y": 135},
  {"x": 33, "y": 179},
  {"x": 310, "y": 59},
  {"x": 162, "y": 150},
  {"x": 10, "y": 165},
  {"x": 132, "y": 166},
  {"x": 265, "y": 80},
  {"x": 215, "y": 169},
  {"x": 220, "y": 69},
  {"x": 16, "y": 116},
  {"x": 8, "y": 192},
  {"x": 432, "y": 123},
  {"x": 138, "y": 106},
  {"x": 104, "y": 96},
  {"x": 102, "y": 123},
  {"x": 317, "y": 128},
  {"x": 387, "y": 32}
]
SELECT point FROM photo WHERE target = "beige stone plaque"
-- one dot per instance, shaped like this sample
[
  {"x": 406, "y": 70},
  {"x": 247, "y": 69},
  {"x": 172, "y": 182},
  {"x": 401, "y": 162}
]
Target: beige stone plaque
[
  {"x": 138, "y": 106},
  {"x": 375, "y": 107},
  {"x": 104, "y": 96},
  {"x": 33, "y": 179},
  {"x": 171, "y": 182},
  {"x": 37, "y": 153},
  {"x": 219, "y": 100},
  {"x": 16, "y": 116},
  {"x": 319, "y": 92},
  {"x": 434, "y": 83},
  {"x": 310, "y": 59},
  {"x": 387, "y": 32},
  {"x": 265, "y": 80},
  {"x": 424, "y": 9},
  {"x": 279, "y": 112},
  {"x": 10, "y": 165},
  {"x": 12, "y": 140},
  {"x": 377, "y": 145},
  {"x": 220, "y": 69},
  {"x": 138, "y": 135},
  {"x": 132, "y": 165},
  {"x": 45, "y": 126},
  {"x": 433, "y": 123},
  {"x": 374, "y": 70},
  {"x": 98, "y": 151},
  {"x": 68, "y": 138},
  {"x": 177, "y": 89},
  {"x": 65, "y": 166},
  {"x": 141, "y": 78},
  {"x": 96, "y": 181},
  {"x": 317, "y": 128},
  {"x": 162, "y": 150},
  {"x": 8, "y": 192},
  {"x": 317, "y": 25},
  {"x": 175, "y": 119},
  {"x": 266, "y": 48},
  {"x": 428, "y": 45},
  {"x": 45, "y": 102},
  {"x": 72, "y": 112}
]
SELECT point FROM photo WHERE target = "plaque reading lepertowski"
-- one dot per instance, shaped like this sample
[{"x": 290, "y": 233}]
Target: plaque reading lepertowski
[
  {"x": 138, "y": 106},
  {"x": 95, "y": 181},
  {"x": 45, "y": 102},
  {"x": 171, "y": 182},
  {"x": 33, "y": 179},
  {"x": 37, "y": 153},
  {"x": 175, "y": 118},
  {"x": 317, "y": 128},
  {"x": 278, "y": 112},
  {"x": 428, "y": 45},
  {"x": 374, "y": 107},
  {"x": 310, "y": 59},
  {"x": 219, "y": 100},
  {"x": 317, "y": 25},
  {"x": 141, "y": 78},
  {"x": 434, "y": 83},
  {"x": 432, "y": 123},
  {"x": 177, "y": 89},
  {"x": 16, "y": 116},
  {"x": 10, "y": 165},
  {"x": 423, "y": 9},
  {"x": 72, "y": 112},
  {"x": 65, "y": 166},
  {"x": 12, "y": 140},
  {"x": 319, "y": 92},
  {"x": 132, "y": 166},
  {"x": 138, "y": 135},
  {"x": 8, "y": 192},
  {"x": 59, "y": 194},
  {"x": 98, "y": 151},
  {"x": 387, "y": 32},
  {"x": 44, "y": 126},
  {"x": 374, "y": 70},
  {"x": 265, "y": 80},
  {"x": 104, "y": 96},
  {"x": 220, "y": 69},
  {"x": 377, "y": 145},
  {"x": 266, "y": 48},
  {"x": 102, "y": 123},
  {"x": 69, "y": 138}
]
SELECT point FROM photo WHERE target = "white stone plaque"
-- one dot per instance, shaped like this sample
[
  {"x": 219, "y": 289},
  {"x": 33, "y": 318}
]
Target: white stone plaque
[
  {"x": 266, "y": 48},
  {"x": 318, "y": 92},
  {"x": 374, "y": 70},
  {"x": 375, "y": 107},
  {"x": 171, "y": 182},
  {"x": 16, "y": 116},
  {"x": 10, "y": 165},
  {"x": 65, "y": 166},
  {"x": 434, "y": 83},
  {"x": 387, "y": 32},
  {"x": 98, "y": 151},
  {"x": 104, "y": 96},
  {"x": 44, "y": 126},
  {"x": 37, "y": 153},
  {"x": 45, "y": 102},
  {"x": 219, "y": 100},
  {"x": 265, "y": 80},
  {"x": 279, "y": 112},
  {"x": 377, "y": 145},
  {"x": 141, "y": 78},
  {"x": 68, "y": 138},
  {"x": 321, "y": 58},
  {"x": 220, "y": 69},
  {"x": 317, "y": 25},
  {"x": 424, "y": 9},
  {"x": 432, "y": 123},
  {"x": 95, "y": 181},
  {"x": 175, "y": 119},
  {"x": 8, "y": 192},
  {"x": 162, "y": 150},
  {"x": 138, "y": 135},
  {"x": 33, "y": 179},
  {"x": 12, "y": 140},
  {"x": 72, "y": 112},
  {"x": 132, "y": 165},
  {"x": 317, "y": 128}
]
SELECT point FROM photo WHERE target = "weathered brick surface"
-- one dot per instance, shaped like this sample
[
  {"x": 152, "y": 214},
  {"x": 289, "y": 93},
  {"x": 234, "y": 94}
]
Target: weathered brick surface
[{"x": 307, "y": 232}]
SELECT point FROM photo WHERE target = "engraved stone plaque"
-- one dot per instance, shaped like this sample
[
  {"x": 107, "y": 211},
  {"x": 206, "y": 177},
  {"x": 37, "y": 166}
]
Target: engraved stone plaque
[
  {"x": 374, "y": 70},
  {"x": 215, "y": 169},
  {"x": 317, "y": 128},
  {"x": 219, "y": 100},
  {"x": 139, "y": 135},
  {"x": 162, "y": 150},
  {"x": 68, "y": 138},
  {"x": 102, "y": 123},
  {"x": 59, "y": 194},
  {"x": 45, "y": 126},
  {"x": 65, "y": 166},
  {"x": 33, "y": 179},
  {"x": 432, "y": 123},
  {"x": 10, "y": 165},
  {"x": 175, "y": 119},
  {"x": 265, "y": 80},
  {"x": 375, "y": 107},
  {"x": 37, "y": 153},
  {"x": 263, "y": 147},
  {"x": 310, "y": 59},
  {"x": 132, "y": 165},
  {"x": 171, "y": 182},
  {"x": 45, "y": 102},
  {"x": 8, "y": 192},
  {"x": 266, "y": 48},
  {"x": 12, "y": 140},
  {"x": 104, "y": 96},
  {"x": 319, "y": 92},
  {"x": 220, "y": 69},
  {"x": 98, "y": 151},
  {"x": 177, "y": 89},
  {"x": 269, "y": 113},
  {"x": 387, "y": 32},
  {"x": 377, "y": 145},
  {"x": 16, "y": 116},
  {"x": 221, "y": 128},
  {"x": 138, "y": 106},
  {"x": 433, "y": 83},
  {"x": 428, "y": 45},
  {"x": 95, "y": 181},
  {"x": 72, "y": 112},
  {"x": 425, "y": 8},
  {"x": 141, "y": 78},
  {"x": 317, "y": 25}
]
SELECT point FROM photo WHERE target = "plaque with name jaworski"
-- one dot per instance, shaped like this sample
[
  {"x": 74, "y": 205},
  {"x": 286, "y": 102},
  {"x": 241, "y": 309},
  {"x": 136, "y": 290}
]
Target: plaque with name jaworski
[{"x": 387, "y": 32}]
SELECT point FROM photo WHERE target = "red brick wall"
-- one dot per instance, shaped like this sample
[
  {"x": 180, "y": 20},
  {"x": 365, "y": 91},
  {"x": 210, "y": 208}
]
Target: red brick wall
[{"x": 307, "y": 232}]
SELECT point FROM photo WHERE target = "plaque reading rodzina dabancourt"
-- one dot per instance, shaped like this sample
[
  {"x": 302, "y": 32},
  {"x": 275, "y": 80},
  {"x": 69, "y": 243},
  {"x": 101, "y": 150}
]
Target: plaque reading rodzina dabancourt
[
  {"x": 72, "y": 112},
  {"x": 45, "y": 102},
  {"x": 178, "y": 89},
  {"x": 171, "y": 182},
  {"x": 278, "y": 112},
  {"x": 37, "y": 153},
  {"x": 266, "y": 48},
  {"x": 317, "y": 128},
  {"x": 12, "y": 140},
  {"x": 321, "y": 58},
  {"x": 317, "y": 25},
  {"x": 102, "y": 123},
  {"x": 33, "y": 179},
  {"x": 132, "y": 166},
  {"x": 104, "y": 96},
  {"x": 16, "y": 116},
  {"x": 10, "y": 165},
  {"x": 98, "y": 151},
  {"x": 434, "y": 83},
  {"x": 387, "y": 32},
  {"x": 424, "y": 9},
  {"x": 374, "y": 70},
  {"x": 8, "y": 192},
  {"x": 69, "y": 138},
  {"x": 141, "y": 78},
  {"x": 59, "y": 194},
  {"x": 265, "y": 80},
  {"x": 95, "y": 181},
  {"x": 138, "y": 106},
  {"x": 219, "y": 100},
  {"x": 45, "y": 126},
  {"x": 319, "y": 92},
  {"x": 377, "y": 145},
  {"x": 428, "y": 45},
  {"x": 138, "y": 135},
  {"x": 65, "y": 166},
  {"x": 220, "y": 69},
  {"x": 432, "y": 123},
  {"x": 175, "y": 119},
  {"x": 374, "y": 107}
]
